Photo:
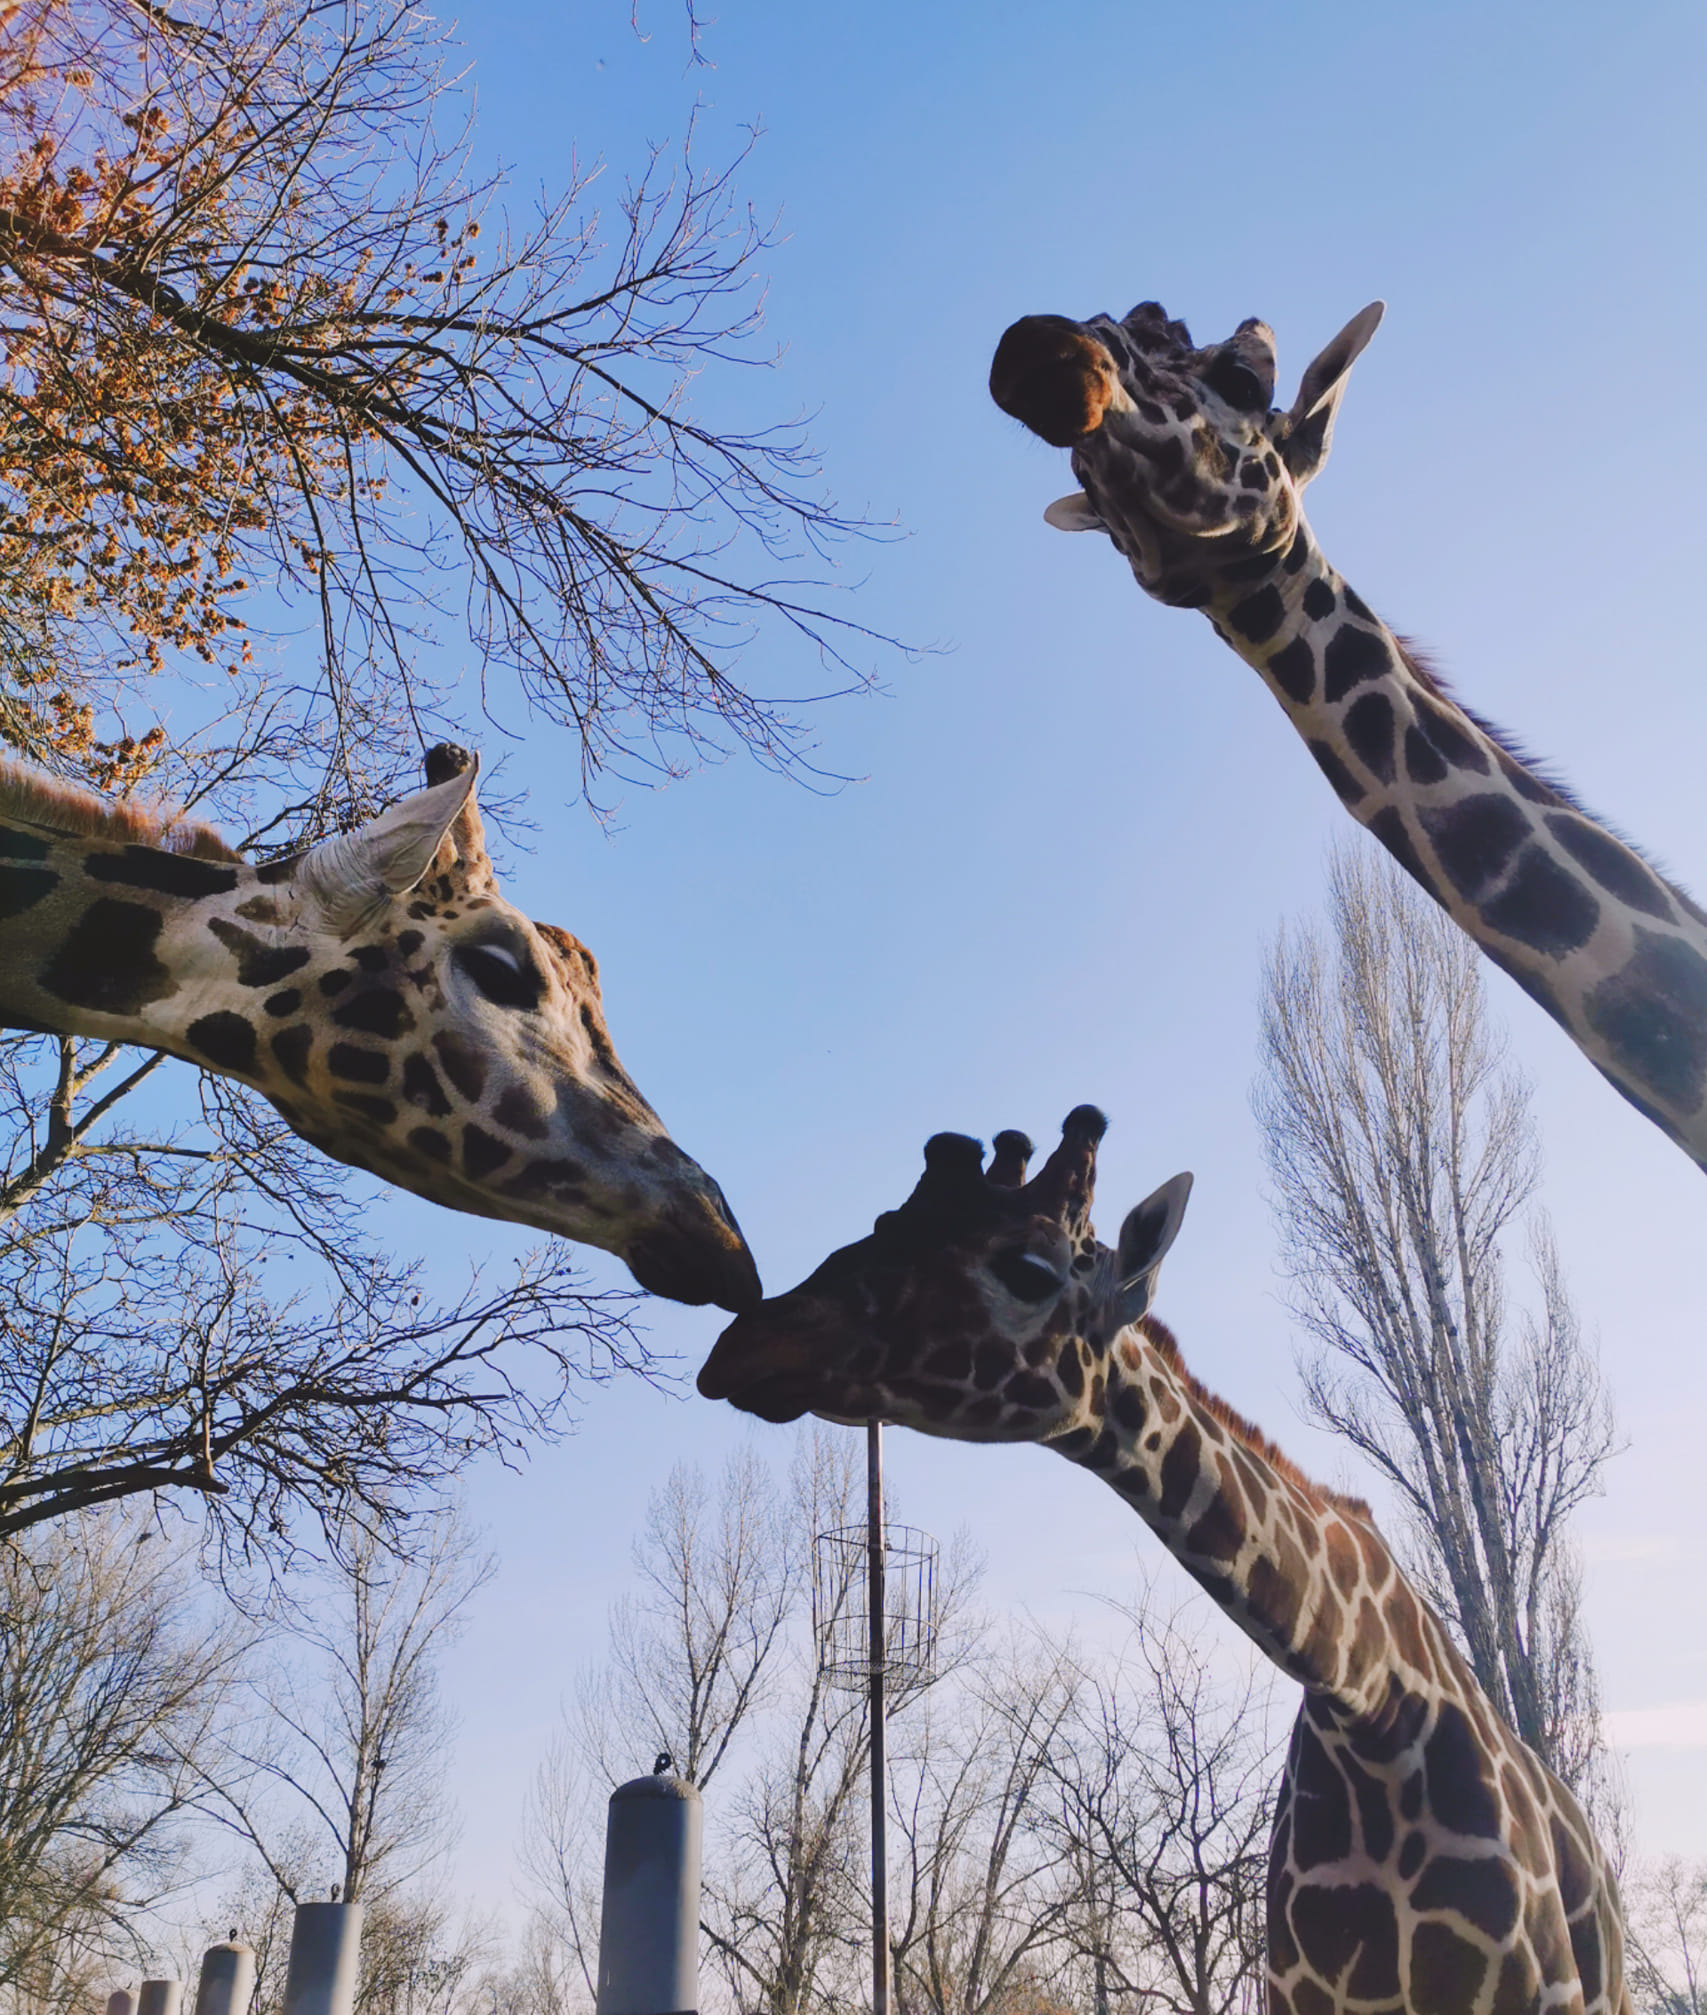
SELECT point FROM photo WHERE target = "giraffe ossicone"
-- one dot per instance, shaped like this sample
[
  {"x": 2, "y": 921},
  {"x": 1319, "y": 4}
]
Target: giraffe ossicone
[
  {"x": 1424, "y": 1861},
  {"x": 382, "y": 994},
  {"x": 1198, "y": 481}
]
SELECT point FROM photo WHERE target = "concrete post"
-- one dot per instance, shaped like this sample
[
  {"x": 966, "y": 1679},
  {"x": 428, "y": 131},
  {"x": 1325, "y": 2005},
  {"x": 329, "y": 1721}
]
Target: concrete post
[
  {"x": 227, "y": 1980},
  {"x": 325, "y": 1959},
  {"x": 160, "y": 1997},
  {"x": 649, "y": 1926}
]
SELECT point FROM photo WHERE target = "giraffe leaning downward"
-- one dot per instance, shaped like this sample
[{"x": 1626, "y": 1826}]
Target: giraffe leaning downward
[
  {"x": 1424, "y": 1861},
  {"x": 1198, "y": 482},
  {"x": 378, "y": 990}
]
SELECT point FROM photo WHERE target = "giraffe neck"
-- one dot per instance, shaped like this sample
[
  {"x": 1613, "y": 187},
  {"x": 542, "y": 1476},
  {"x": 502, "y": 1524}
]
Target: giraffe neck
[
  {"x": 1610, "y": 949},
  {"x": 1303, "y": 1572},
  {"x": 132, "y": 943}
]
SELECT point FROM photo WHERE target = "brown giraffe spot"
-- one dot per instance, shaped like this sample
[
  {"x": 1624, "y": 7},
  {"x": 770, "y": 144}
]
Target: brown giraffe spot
[
  {"x": 106, "y": 960},
  {"x": 1350, "y": 1934},
  {"x": 522, "y": 1113},
  {"x": 481, "y": 1154},
  {"x": 1374, "y": 1812},
  {"x": 991, "y": 1363},
  {"x": 292, "y": 1047},
  {"x": 1459, "y": 1794},
  {"x": 1377, "y": 1561},
  {"x": 376, "y": 1011},
  {"x": 1483, "y": 1892},
  {"x": 380, "y": 1110},
  {"x": 1518, "y": 1987},
  {"x": 1321, "y": 1811},
  {"x": 1220, "y": 1532},
  {"x": 22, "y": 888},
  {"x": 429, "y": 1141},
  {"x": 1031, "y": 1391},
  {"x": 280, "y": 1004},
  {"x": 164, "y": 873},
  {"x": 1446, "y": 1971},
  {"x": 1342, "y": 1558},
  {"x": 259, "y": 964},
  {"x": 1405, "y": 1627},
  {"x": 954, "y": 1361},
  {"x": 1575, "y": 1875},
  {"x": 1274, "y": 1595},
  {"x": 225, "y": 1039},
  {"x": 1181, "y": 1467},
  {"x": 360, "y": 1066},
  {"x": 1166, "y": 1404},
  {"x": 1411, "y": 1855},
  {"x": 1319, "y": 1653},
  {"x": 1128, "y": 1408},
  {"x": 463, "y": 1063},
  {"x": 421, "y": 1086}
]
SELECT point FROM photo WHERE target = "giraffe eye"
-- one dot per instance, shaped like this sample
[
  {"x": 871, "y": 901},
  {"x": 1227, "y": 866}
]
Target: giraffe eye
[
  {"x": 1237, "y": 383},
  {"x": 504, "y": 977},
  {"x": 1025, "y": 1277}
]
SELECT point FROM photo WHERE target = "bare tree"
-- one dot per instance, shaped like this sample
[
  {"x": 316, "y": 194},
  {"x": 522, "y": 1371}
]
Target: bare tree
[
  {"x": 694, "y": 1649},
  {"x": 196, "y": 1307},
  {"x": 1665, "y": 1908},
  {"x": 111, "y": 1691},
  {"x": 981, "y": 1902},
  {"x": 340, "y": 1775},
  {"x": 1166, "y": 1782},
  {"x": 267, "y": 324},
  {"x": 1403, "y": 1154}
]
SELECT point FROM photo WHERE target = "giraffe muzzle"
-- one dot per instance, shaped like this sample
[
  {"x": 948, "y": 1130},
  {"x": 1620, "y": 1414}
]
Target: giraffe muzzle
[
  {"x": 698, "y": 1255},
  {"x": 1054, "y": 378}
]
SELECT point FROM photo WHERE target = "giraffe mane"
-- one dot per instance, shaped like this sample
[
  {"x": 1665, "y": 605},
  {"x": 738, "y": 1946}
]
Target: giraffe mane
[
  {"x": 45, "y": 801},
  {"x": 1428, "y": 675},
  {"x": 1243, "y": 1430}
]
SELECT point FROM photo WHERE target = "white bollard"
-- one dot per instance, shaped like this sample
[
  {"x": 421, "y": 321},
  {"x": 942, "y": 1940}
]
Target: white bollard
[
  {"x": 160, "y": 1997},
  {"x": 325, "y": 1959},
  {"x": 649, "y": 1926},
  {"x": 227, "y": 1979},
  {"x": 119, "y": 2002}
]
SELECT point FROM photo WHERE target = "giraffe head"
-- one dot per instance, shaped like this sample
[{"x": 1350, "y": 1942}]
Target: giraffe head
[
  {"x": 983, "y": 1309},
  {"x": 1184, "y": 463},
  {"x": 406, "y": 1019}
]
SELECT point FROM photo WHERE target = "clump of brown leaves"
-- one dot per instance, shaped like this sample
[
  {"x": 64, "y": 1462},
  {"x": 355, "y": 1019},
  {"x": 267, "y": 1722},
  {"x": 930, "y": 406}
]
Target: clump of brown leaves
[{"x": 254, "y": 363}]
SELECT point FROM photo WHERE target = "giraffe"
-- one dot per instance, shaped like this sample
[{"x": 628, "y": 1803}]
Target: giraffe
[
  {"x": 1423, "y": 1859},
  {"x": 1198, "y": 483},
  {"x": 381, "y": 994}
]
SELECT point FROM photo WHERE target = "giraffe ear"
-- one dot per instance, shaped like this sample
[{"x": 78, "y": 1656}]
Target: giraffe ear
[
  {"x": 347, "y": 878},
  {"x": 1308, "y": 430},
  {"x": 1074, "y": 514},
  {"x": 1144, "y": 1240}
]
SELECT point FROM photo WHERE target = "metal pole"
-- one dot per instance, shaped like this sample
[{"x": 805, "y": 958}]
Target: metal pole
[{"x": 879, "y": 1769}]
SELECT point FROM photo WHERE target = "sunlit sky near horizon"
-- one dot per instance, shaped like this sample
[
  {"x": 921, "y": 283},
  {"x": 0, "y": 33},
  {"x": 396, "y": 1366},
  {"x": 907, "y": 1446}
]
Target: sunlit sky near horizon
[{"x": 1078, "y": 820}]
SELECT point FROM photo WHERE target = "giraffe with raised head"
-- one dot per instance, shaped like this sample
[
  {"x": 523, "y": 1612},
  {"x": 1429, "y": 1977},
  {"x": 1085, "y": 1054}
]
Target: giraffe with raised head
[
  {"x": 1424, "y": 1861},
  {"x": 381, "y": 993},
  {"x": 1198, "y": 482}
]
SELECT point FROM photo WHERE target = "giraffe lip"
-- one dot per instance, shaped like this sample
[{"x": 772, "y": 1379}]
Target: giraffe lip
[{"x": 768, "y": 1376}]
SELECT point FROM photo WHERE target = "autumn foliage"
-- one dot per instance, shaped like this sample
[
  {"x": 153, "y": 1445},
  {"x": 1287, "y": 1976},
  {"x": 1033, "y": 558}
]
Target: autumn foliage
[{"x": 261, "y": 368}]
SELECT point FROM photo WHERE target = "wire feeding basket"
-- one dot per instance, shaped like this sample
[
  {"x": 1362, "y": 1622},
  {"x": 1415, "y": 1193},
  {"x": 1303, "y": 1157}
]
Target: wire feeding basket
[{"x": 841, "y": 1604}]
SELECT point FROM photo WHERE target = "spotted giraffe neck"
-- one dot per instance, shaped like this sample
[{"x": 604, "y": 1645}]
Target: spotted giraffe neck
[
  {"x": 1303, "y": 1571},
  {"x": 1615, "y": 953}
]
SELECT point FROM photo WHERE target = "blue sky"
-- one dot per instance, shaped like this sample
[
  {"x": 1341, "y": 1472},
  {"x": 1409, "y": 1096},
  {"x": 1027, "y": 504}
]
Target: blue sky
[{"x": 1080, "y": 820}]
